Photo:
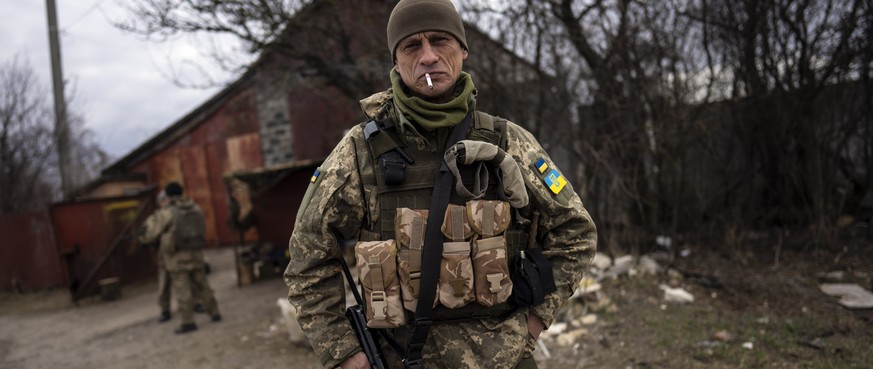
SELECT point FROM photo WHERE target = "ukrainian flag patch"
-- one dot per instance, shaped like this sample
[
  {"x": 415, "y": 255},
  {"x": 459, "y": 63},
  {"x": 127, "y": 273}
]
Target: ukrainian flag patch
[
  {"x": 542, "y": 166},
  {"x": 314, "y": 177},
  {"x": 555, "y": 181}
]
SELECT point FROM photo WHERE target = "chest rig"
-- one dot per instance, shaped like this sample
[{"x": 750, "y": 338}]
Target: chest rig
[{"x": 403, "y": 176}]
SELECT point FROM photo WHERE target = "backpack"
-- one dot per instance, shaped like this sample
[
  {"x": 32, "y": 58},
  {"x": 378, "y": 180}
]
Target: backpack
[{"x": 190, "y": 228}]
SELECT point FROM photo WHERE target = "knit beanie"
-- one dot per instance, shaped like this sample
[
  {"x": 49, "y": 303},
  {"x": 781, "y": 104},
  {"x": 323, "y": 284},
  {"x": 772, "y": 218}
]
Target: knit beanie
[{"x": 413, "y": 16}]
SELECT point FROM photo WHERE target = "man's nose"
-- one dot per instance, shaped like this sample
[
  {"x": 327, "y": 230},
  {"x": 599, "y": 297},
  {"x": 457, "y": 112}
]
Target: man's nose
[{"x": 428, "y": 54}]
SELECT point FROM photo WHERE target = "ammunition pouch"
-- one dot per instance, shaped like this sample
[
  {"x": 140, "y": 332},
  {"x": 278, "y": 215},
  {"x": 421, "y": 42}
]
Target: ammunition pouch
[
  {"x": 377, "y": 260},
  {"x": 474, "y": 279}
]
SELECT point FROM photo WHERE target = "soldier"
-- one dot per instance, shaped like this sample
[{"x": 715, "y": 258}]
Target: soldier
[
  {"x": 509, "y": 205},
  {"x": 180, "y": 230},
  {"x": 164, "y": 292},
  {"x": 150, "y": 226}
]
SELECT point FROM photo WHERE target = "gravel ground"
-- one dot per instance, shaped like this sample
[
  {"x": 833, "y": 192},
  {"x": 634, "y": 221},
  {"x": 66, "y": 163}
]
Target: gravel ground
[
  {"x": 773, "y": 318},
  {"x": 44, "y": 330}
]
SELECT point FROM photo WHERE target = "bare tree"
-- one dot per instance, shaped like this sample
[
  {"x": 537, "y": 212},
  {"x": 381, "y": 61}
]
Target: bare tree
[
  {"x": 671, "y": 115},
  {"x": 624, "y": 74},
  {"x": 786, "y": 61},
  {"x": 26, "y": 143},
  {"x": 330, "y": 48},
  {"x": 28, "y": 160}
]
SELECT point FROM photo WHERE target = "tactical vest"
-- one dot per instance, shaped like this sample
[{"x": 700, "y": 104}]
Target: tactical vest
[
  {"x": 190, "y": 229},
  {"x": 415, "y": 193}
]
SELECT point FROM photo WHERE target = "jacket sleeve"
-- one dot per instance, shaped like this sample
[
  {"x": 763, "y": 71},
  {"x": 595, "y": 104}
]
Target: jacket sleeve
[
  {"x": 155, "y": 225},
  {"x": 565, "y": 229},
  {"x": 331, "y": 211}
]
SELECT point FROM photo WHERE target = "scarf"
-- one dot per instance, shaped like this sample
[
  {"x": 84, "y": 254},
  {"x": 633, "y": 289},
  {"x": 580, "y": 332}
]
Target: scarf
[{"x": 431, "y": 116}]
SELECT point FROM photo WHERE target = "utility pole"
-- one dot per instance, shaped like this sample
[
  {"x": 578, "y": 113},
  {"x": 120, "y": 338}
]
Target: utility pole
[{"x": 62, "y": 131}]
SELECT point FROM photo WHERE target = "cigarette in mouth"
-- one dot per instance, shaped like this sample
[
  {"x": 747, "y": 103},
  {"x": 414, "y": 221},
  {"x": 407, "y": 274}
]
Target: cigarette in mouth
[{"x": 429, "y": 81}]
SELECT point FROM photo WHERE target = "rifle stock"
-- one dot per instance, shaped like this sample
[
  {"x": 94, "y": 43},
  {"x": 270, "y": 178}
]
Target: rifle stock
[{"x": 355, "y": 314}]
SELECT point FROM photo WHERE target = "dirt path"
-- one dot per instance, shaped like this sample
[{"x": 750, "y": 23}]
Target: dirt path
[
  {"x": 125, "y": 334},
  {"x": 777, "y": 319}
]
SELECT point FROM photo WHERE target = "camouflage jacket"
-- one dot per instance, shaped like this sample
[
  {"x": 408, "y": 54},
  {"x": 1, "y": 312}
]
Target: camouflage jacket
[
  {"x": 159, "y": 226},
  {"x": 334, "y": 209}
]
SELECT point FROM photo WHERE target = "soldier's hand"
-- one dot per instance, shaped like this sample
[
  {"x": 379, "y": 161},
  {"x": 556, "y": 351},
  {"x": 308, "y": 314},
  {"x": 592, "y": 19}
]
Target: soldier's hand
[
  {"x": 356, "y": 361},
  {"x": 535, "y": 326}
]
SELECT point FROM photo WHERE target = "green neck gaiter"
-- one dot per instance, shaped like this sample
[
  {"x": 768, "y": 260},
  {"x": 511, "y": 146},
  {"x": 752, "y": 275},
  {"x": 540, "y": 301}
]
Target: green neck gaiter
[{"x": 429, "y": 115}]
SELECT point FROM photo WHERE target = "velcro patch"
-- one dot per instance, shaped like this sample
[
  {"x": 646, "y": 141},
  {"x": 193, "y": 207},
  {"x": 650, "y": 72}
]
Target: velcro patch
[
  {"x": 555, "y": 181},
  {"x": 314, "y": 177},
  {"x": 541, "y": 165}
]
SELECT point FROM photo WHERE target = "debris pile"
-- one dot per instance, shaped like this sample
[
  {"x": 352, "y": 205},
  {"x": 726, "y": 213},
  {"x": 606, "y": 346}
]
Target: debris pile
[{"x": 851, "y": 296}]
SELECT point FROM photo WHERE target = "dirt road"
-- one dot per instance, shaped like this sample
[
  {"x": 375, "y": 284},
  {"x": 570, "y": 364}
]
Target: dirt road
[{"x": 125, "y": 334}]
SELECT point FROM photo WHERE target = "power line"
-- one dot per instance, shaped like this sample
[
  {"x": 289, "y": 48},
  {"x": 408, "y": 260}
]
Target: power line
[{"x": 83, "y": 15}]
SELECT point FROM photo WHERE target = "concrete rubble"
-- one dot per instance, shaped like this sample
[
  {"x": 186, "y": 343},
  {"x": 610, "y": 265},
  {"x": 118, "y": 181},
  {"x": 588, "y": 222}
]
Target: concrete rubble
[
  {"x": 676, "y": 295},
  {"x": 590, "y": 293},
  {"x": 289, "y": 315},
  {"x": 851, "y": 296}
]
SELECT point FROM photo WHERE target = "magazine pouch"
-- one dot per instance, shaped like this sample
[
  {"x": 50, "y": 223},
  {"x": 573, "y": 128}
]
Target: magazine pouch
[
  {"x": 492, "y": 282},
  {"x": 489, "y": 220},
  {"x": 455, "y": 226},
  {"x": 456, "y": 275},
  {"x": 377, "y": 261},
  {"x": 410, "y": 227}
]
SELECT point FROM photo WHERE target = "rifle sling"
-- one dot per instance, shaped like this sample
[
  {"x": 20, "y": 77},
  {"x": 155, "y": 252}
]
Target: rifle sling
[{"x": 433, "y": 249}]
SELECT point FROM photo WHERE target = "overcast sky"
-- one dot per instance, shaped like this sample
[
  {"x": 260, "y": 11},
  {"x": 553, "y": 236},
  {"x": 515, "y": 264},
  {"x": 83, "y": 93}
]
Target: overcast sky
[{"x": 121, "y": 81}]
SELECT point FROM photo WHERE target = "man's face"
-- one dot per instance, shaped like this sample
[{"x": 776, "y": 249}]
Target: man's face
[{"x": 437, "y": 53}]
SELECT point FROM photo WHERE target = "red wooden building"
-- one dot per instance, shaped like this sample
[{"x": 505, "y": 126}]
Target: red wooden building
[{"x": 246, "y": 155}]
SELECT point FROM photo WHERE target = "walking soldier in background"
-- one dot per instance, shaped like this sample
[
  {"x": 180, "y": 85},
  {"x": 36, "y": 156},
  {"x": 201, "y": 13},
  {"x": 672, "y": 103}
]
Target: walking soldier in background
[
  {"x": 180, "y": 230},
  {"x": 150, "y": 225},
  {"x": 469, "y": 239}
]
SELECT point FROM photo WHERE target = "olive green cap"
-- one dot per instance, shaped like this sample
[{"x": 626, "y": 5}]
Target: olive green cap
[{"x": 413, "y": 16}]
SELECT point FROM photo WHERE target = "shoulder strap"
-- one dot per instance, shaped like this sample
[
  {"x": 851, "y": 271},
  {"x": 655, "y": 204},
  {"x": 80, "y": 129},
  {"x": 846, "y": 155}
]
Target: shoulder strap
[
  {"x": 176, "y": 212},
  {"x": 489, "y": 129},
  {"x": 433, "y": 249},
  {"x": 484, "y": 121},
  {"x": 364, "y": 166}
]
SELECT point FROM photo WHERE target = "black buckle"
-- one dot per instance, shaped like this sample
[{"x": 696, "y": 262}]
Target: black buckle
[
  {"x": 423, "y": 322},
  {"x": 413, "y": 364},
  {"x": 413, "y": 358}
]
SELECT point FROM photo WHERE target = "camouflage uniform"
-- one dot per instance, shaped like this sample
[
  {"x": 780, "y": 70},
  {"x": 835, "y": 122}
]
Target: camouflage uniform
[
  {"x": 186, "y": 267},
  {"x": 334, "y": 209},
  {"x": 150, "y": 226}
]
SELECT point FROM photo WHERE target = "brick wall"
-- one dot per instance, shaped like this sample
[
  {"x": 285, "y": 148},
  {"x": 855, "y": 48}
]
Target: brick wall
[{"x": 277, "y": 145}]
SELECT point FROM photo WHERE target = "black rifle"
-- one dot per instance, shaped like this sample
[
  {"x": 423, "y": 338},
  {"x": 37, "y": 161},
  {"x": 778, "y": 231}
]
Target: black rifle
[{"x": 355, "y": 314}]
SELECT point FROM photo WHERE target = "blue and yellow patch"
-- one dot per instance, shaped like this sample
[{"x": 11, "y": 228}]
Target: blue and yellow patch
[
  {"x": 555, "y": 181},
  {"x": 542, "y": 166},
  {"x": 314, "y": 177}
]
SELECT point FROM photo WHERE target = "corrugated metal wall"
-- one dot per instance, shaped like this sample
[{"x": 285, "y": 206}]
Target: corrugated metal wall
[
  {"x": 86, "y": 231},
  {"x": 226, "y": 141},
  {"x": 29, "y": 258}
]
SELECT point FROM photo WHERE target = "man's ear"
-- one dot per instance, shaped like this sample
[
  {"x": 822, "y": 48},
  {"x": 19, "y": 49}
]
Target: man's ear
[{"x": 466, "y": 54}]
